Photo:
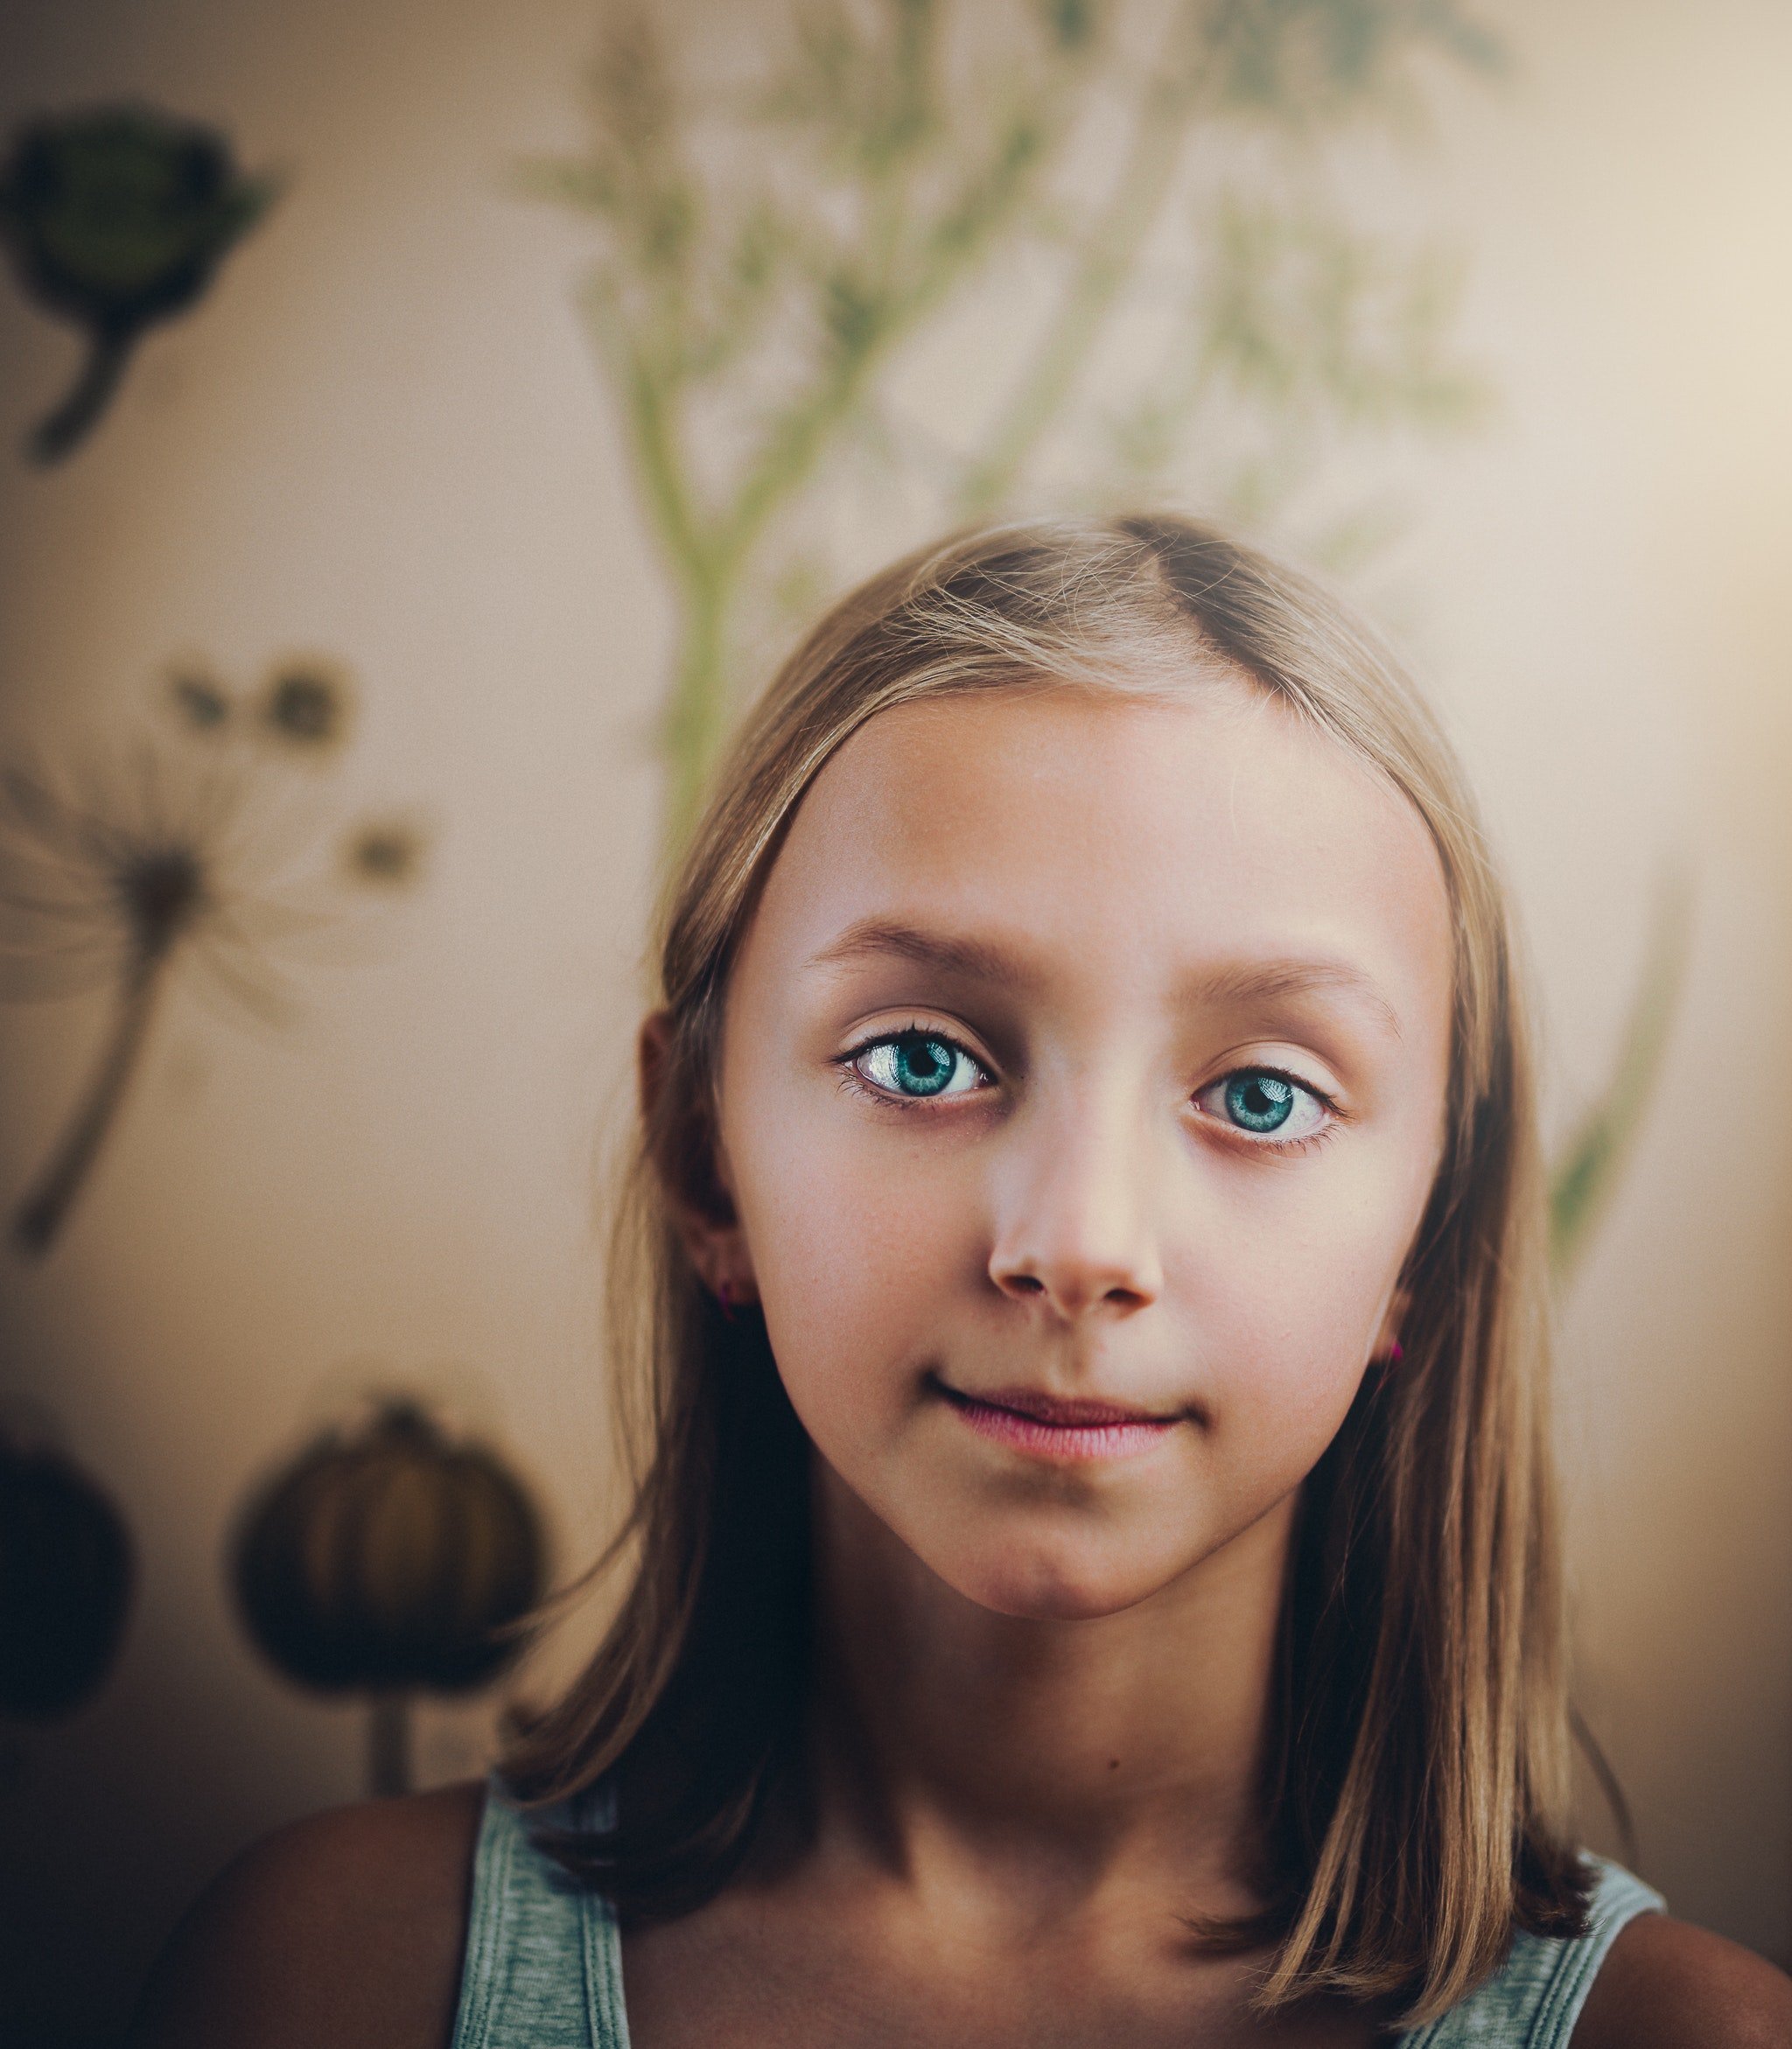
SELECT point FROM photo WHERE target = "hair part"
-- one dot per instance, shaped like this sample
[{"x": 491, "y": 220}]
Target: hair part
[{"x": 1414, "y": 1806}]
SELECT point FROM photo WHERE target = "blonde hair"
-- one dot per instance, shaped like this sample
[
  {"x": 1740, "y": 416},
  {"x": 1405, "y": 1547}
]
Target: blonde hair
[{"x": 1414, "y": 1808}]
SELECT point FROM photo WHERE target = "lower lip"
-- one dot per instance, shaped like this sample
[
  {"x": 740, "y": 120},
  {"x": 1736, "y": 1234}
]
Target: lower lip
[{"x": 1068, "y": 1441}]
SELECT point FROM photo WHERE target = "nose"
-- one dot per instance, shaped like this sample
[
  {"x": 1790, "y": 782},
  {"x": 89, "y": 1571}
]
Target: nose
[{"x": 1075, "y": 1225}]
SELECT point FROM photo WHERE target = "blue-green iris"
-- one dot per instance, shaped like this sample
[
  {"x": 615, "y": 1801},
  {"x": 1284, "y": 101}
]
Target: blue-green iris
[
  {"x": 1259, "y": 1102},
  {"x": 922, "y": 1067}
]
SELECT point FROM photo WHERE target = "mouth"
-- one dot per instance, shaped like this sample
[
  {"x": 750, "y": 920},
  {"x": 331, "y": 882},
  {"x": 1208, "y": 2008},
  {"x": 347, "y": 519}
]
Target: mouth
[{"x": 1052, "y": 1426}]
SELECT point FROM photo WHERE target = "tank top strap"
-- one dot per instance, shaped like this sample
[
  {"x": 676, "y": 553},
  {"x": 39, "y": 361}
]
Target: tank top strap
[
  {"x": 544, "y": 1967},
  {"x": 1534, "y": 1999}
]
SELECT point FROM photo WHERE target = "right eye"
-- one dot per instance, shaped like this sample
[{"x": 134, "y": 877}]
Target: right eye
[{"x": 917, "y": 1064}]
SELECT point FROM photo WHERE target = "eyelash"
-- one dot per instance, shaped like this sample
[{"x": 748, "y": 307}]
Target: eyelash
[
  {"x": 856, "y": 1084},
  {"x": 1307, "y": 1142}
]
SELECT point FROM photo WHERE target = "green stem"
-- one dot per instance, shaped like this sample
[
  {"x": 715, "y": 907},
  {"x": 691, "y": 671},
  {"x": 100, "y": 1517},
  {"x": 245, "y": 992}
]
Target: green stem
[
  {"x": 793, "y": 450},
  {"x": 801, "y": 439},
  {"x": 1584, "y": 1177},
  {"x": 40, "y": 1216},
  {"x": 710, "y": 552},
  {"x": 650, "y": 412},
  {"x": 60, "y": 432},
  {"x": 791, "y": 457},
  {"x": 696, "y": 715},
  {"x": 1110, "y": 250}
]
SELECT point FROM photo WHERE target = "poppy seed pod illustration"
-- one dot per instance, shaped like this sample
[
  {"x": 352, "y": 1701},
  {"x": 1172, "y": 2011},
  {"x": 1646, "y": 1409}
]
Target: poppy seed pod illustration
[
  {"x": 388, "y": 1560},
  {"x": 66, "y": 1576},
  {"x": 115, "y": 218}
]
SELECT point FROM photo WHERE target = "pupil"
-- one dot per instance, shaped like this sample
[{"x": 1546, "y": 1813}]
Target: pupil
[{"x": 1260, "y": 1102}]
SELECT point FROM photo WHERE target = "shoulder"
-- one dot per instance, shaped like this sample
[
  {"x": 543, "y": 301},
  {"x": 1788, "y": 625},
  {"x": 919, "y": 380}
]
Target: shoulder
[
  {"x": 345, "y": 1928},
  {"x": 1667, "y": 1985}
]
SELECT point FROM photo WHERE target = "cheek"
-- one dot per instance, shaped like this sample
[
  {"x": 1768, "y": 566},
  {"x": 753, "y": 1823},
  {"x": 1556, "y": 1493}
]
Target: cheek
[
  {"x": 858, "y": 1262},
  {"x": 1286, "y": 1295},
  {"x": 871, "y": 1250}
]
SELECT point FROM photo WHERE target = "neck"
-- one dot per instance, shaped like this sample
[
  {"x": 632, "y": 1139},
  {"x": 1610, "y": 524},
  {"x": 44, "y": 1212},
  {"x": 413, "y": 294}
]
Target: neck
[{"x": 1130, "y": 1739}]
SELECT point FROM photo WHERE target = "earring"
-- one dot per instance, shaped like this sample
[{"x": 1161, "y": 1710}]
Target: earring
[{"x": 1396, "y": 1352}]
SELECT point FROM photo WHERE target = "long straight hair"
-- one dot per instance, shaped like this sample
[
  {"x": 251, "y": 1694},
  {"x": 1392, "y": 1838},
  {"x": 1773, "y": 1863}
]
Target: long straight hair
[{"x": 1414, "y": 1808}]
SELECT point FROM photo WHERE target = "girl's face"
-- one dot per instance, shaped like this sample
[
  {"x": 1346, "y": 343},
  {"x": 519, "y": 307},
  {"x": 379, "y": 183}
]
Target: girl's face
[{"x": 1083, "y": 1084}]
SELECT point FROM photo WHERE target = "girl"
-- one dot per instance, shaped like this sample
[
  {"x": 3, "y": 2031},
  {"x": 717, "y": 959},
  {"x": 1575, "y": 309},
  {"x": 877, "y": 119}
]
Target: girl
[{"x": 1092, "y": 1577}]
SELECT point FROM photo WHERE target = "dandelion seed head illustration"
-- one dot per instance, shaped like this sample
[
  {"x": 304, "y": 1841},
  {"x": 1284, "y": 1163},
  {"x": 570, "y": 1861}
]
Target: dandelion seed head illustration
[
  {"x": 164, "y": 892},
  {"x": 184, "y": 858}
]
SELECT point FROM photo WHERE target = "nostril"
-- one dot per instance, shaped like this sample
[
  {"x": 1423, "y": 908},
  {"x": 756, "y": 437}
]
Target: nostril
[{"x": 1026, "y": 1284}]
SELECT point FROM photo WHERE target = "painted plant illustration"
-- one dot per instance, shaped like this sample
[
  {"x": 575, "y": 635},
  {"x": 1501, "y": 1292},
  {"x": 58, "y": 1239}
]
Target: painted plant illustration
[
  {"x": 1586, "y": 1172},
  {"x": 1072, "y": 183},
  {"x": 774, "y": 247},
  {"x": 116, "y": 220},
  {"x": 175, "y": 859}
]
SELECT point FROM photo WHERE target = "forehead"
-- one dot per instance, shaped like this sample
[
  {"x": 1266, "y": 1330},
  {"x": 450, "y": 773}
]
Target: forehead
[{"x": 1113, "y": 835}]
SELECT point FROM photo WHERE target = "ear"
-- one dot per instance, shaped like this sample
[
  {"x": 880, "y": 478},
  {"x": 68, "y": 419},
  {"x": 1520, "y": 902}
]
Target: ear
[
  {"x": 1386, "y": 1344},
  {"x": 686, "y": 1153}
]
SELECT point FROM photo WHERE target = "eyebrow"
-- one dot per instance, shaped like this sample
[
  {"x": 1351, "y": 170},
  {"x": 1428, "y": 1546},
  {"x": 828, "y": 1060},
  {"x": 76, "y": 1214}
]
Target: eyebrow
[
  {"x": 1270, "y": 981},
  {"x": 883, "y": 938},
  {"x": 1253, "y": 982}
]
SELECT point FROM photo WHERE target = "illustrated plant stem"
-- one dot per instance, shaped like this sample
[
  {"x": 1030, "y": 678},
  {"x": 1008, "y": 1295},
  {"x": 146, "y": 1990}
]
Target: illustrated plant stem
[
  {"x": 63, "y": 431},
  {"x": 710, "y": 579},
  {"x": 693, "y": 711},
  {"x": 388, "y": 1745},
  {"x": 41, "y": 1214},
  {"x": 1109, "y": 251},
  {"x": 651, "y": 411},
  {"x": 697, "y": 711},
  {"x": 1583, "y": 1178},
  {"x": 791, "y": 455},
  {"x": 711, "y": 554}
]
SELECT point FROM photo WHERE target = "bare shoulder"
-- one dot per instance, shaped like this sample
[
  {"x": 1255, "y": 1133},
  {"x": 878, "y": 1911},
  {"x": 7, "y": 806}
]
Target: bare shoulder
[
  {"x": 345, "y": 1928},
  {"x": 1668, "y": 1985}
]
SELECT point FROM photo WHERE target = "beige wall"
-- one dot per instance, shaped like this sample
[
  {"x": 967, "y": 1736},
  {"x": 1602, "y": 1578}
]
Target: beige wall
[{"x": 383, "y": 437}]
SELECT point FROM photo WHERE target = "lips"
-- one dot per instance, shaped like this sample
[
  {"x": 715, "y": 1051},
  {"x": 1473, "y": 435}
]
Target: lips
[
  {"x": 1053, "y": 1426},
  {"x": 1060, "y": 1414}
]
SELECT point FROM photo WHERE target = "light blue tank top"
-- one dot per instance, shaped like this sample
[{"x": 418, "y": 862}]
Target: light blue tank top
[{"x": 544, "y": 1966}]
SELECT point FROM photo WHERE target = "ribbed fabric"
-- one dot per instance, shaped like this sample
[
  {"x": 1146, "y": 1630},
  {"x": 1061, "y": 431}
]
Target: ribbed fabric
[
  {"x": 543, "y": 1965},
  {"x": 1533, "y": 2001}
]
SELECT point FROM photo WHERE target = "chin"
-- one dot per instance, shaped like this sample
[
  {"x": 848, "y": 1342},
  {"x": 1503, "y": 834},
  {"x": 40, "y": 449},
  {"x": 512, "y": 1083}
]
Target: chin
[{"x": 1048, "y": 1586}]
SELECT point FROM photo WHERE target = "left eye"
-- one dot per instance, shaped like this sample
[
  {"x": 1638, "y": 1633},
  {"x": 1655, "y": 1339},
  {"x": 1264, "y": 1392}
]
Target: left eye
[
  {"x": 916, "y": 1064},
  {"x": 1265, "y": 1104}
]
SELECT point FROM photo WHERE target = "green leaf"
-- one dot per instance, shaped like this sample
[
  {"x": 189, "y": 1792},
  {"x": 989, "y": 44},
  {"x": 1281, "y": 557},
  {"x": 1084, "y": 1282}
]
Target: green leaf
[
  {"x": 1587, "y": 1174},
  {"x": 1296, "y": 58}
]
